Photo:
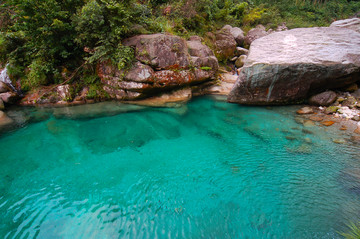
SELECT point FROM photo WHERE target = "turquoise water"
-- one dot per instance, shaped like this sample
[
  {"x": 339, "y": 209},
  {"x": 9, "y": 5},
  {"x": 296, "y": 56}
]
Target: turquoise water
[{"x": 206, "y": 170}]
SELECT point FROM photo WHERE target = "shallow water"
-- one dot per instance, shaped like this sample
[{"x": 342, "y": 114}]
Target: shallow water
[{"x": 206, "y": 170}]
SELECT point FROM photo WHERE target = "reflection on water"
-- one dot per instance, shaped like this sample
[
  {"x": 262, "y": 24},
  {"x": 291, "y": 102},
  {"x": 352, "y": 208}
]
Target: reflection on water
[{"x": 205, "y": 170}]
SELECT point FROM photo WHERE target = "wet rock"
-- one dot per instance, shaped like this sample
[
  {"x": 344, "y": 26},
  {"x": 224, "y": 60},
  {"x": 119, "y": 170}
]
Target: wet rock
[
  {"x": 327, "y": 123},
  {"x": 172, "y": 99},
  {"x": 5, "y": 121},
  {"x": 240, "y": 61},
  {"x": 254, "y": 34},
  {"x": 343, "y": 127},
  {"x": 305, "y": 110},
  {"x": 87, "y": 111},
  {"x": 339, "y": 141},
  {"x": 279, "y": 71},
  {"x": 316, "y": 118},
  {"x": 2, "y": 107},
  {"x": 331, "y": 109},
  {"x": 309, "y": 123},
  {"x": 225, "y": 44},
  {"x": 306, "y": 131},
  {"x": 159, "y": 50},
  {"x": 241, "y": 51},
  {"x": 323, "y": 99},
  {"x": 355, "y": 138}
]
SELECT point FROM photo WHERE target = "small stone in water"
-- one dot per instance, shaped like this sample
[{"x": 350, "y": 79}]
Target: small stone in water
[
  {"x": 343, "y": 127},
  {"x": 305, "y": 110},
  {"x": 316, "y": 118},
  {"x": 309, "y": 123},
  {"x": 327, "y": 123},
  {"x": 339, "y": 141},
  {"x": 357, "y": 131}
]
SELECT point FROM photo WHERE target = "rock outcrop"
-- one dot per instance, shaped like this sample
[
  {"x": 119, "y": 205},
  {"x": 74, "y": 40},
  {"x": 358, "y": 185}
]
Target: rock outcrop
[
  {"x": 288, "y": 67},
  {"x": 164, "y": 63}
]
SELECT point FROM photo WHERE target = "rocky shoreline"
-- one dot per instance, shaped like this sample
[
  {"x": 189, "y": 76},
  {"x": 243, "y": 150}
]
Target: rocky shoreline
[{"x": 281, "y": 67}]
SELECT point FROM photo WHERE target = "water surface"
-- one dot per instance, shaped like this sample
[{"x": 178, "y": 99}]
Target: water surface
[{"x": 206, "y": 170}]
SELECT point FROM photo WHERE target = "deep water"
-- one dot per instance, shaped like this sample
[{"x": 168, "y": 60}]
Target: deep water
[{"x": 208, "y": 169}]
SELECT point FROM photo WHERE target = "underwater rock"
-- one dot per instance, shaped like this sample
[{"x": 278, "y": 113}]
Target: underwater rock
[
  {"x": 327, "y": 123},
  {"x": 5, "y": 121},
  {"x": 305, "y": 110},
  {"x": 172, "y": 99}
]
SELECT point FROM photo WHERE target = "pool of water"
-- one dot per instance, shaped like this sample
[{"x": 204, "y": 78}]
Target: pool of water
[{"x": 208, "y": 169}]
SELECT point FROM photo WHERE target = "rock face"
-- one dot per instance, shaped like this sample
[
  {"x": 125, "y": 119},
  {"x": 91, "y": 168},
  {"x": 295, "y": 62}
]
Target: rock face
[
  {"x": 289, "y": 66},
  {"x": 352, "y": 23},
  {"x": 165, "y": 63},
  {"x": 323, "y": 99},
  {"x": 159, "y": 50}
]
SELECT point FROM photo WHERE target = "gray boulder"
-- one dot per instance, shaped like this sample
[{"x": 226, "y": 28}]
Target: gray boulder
[
  {"x": 237, "y": 33},
  {"x": 241, "y": 51},
  {"x": 287, "y": 67},
  {"x": 323, "y": 99},
  {"x": 240, "y": 61},
  {"x": 352, "y": 23},
  {"x": 255, "y": 33},
  {"x": 225, "y": 44},
  {"x": 159, "y": 50}
]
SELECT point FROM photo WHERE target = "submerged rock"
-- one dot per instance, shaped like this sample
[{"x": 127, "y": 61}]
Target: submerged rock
[
  {"x": 286, "y": 67},
  {"x": 5, "y": 121},
  {"x": 305, "y": 110},
  {"x": 172, "y": 99}
]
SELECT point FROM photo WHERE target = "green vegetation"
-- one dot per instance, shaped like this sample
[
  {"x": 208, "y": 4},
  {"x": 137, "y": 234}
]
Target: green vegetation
[{"x": 52, "y": 41}]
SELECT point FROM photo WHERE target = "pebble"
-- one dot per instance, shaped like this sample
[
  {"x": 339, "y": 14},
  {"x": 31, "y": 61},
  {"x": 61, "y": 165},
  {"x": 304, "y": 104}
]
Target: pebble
[
  {"x": 305, "y": 110},
  {"x": 327, "y": 123},
  {"x": 339, "y": 141},
  {"x": 309, "y": 123}
]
